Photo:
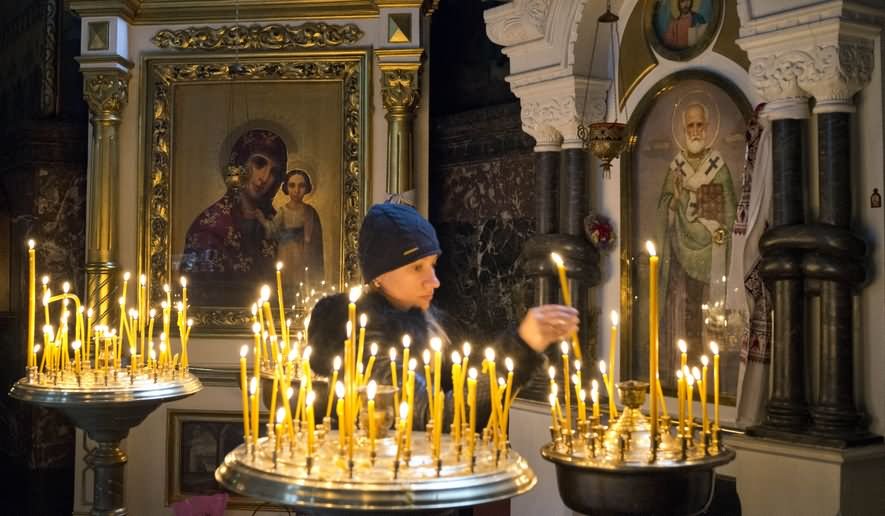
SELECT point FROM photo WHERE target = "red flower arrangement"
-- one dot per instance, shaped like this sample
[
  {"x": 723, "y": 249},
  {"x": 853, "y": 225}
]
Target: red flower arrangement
[{"x": 600, "y": 231}]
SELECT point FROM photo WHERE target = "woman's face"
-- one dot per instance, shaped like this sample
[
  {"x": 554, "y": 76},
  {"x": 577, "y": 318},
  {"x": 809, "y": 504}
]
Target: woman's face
[
  {"x": 412, "y": 285},
  {"x": 297, "y": 187},
  {"x": 260, "y": 173}
]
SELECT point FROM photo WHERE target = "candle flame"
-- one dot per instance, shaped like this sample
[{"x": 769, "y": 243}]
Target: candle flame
[
  {"x": 279, "y": 266},
  {"x": 552, "y": 398},
  {"x": 696, "y": 373},
  {"x": 582, "y": 394},
  {"x": 575, "y": 379},
  {"x": 678, "y": 375},
  {"x": 508, "y": 363},
  {"x": 126, "y": 276},
  {"x": 373, "y": 349},
  {"x": 490, "y": 354},
  {"x": 289, "y": 393},
  {"x": 89, "y": 312},
  {"x": 436, "y": 343},
  {"x": 153, "y": 356},
  {"x": 371, "y": 389},
  {"x": 256, "y": 328},
  {"x": 183, "y": 281},
  {"x": 31, "y": 244},
  {"x": 563, "y": 346},
  {"x": 253, "y": 385},
  {"x": 166, "y": 288},
  {"x": 265, "y": 293},
  {"x": 577, "y": 365},
  {"x": 355, "y": 293},
  {"x": 554, "y": 388},
  {"x": 339, "y": 389},
  {"x": 392, "y": 354},
  {"x": 456, "y": 357},
  {"x": 714, "y": 347},
  {"x": 307, "y": 322},
  {"x": 683, "y": 347},
  {"x": 473, "y": 373},
  {"x": 602, "y": 366},
  {"x": 76, "y": 345},
  {"x": 413, "y": 364},
  {"x": 650, "y": 247},
  {"x": 142, "y": 279},
  {"x": 557, "y": 259},
  {"x": 615, "y": 318},
  {"x": 65, "y": 287},
  {"x": 348, "y": 329},
  {"x": 501, "y": 381},
  {"x": 311, "y": 397},
  {"x": 364, "y": 319},
  {"x": 426, "y": 356},
  {"x": 36, "y": 348},
  {"x": 132, "y": 349},
  {"x": 551, "y": 371},
  {"x": 254, "y": 309},
  {"x": 244, "y": 350},
  {"x": 281, "y": 414},
  {"x": 307, "y": 352},
  {"x": 45, "y": 280},
  {"x": 407, "y": 341},
  {"x": 690, "y": 379},
  {"x": 403, "y": 411},
  {"x": 292, "y": 354},
  {"x": 594, "y": 396},
  {"x": 704, "y": 360},
  {"x": 466, "y": 348},
  {"x": 152, "y": 313}
]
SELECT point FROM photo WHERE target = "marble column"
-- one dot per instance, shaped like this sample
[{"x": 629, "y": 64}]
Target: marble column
[
  {"x": 787, "y": 408},
  {"x": 105, "y": 88}
]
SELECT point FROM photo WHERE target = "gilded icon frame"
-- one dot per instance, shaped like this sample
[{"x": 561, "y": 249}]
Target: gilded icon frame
[
  {"x": 634, "y": 352},
  {"x": 706, "y": 39},
  {"x": 348, "y": 71}
]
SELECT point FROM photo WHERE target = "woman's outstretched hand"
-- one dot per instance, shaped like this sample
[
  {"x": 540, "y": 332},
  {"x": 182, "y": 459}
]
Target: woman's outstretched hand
[{"x": 545, "y": 324}]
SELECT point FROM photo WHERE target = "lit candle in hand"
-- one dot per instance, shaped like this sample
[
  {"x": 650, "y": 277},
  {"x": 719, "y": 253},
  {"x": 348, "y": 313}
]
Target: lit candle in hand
[{"x": 563, "y": 281}]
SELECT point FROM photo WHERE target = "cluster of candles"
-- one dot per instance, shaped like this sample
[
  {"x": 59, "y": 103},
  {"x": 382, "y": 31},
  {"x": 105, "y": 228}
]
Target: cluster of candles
[
  {"x": 99, "y": 348},
  {"x": 686, "y": 380},
  {"x": 355, "y": 386}
]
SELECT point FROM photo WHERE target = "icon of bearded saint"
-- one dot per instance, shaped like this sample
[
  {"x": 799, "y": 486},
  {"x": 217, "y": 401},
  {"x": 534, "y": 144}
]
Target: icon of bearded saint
[{"x": 696, "y": 212}]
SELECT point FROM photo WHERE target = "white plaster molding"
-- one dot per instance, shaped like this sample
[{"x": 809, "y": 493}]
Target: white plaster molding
[
  {"x": 838, "y": 72},
  {"x": 517, "y": 22},
  {"x": 776, "y": 77},
  {"x": 782, "y": 109},
  {"x": 552, "y": 109}
]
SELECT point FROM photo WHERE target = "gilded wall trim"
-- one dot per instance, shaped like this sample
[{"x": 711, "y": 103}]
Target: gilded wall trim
[
  {"x": 350, "y": 68},
  {"x": 259, "y": 37}
]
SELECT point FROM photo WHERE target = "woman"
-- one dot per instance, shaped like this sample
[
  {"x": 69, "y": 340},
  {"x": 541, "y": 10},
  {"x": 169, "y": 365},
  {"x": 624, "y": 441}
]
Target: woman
[
  {"x": 398, "y": 250},
  {"x": 298, "y": 232}
]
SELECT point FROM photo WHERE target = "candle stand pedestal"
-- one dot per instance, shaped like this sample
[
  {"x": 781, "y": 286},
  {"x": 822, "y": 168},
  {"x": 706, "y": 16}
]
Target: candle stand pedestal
[
  {"x": 106, "y": 413},
  {"x": 418, "y": 487},
  {"x": 610, "y": 471}
]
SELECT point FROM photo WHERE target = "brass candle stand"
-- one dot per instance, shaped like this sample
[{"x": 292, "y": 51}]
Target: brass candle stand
[
  {"x": 106, "y": 404},
  {"x": 618, "y": 471},
  {"x": 383, "y": 482}
]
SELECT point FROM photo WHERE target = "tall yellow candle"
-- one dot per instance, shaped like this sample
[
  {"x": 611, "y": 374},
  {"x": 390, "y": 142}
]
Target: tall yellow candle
[
  {"x": 123, "y": 304},
  {"x": 253, "y": 418},
  {"x": 661, "y": 396},
  {"x": 354, "y": 295},
  {"x": 392, "y": 355},
  {"x": 683, "y": 362},
  {"x": 244, "y": 388},
  {"x": 612, "y": 344},
  {"x": 714, "y": 348},
  {"x": 652, "y": 337},
  {"x": 689, "y": 420},
  {"x": 609, "y": 390},
  {"x": 373, "y": 350},
  {"x": 436, "y": 345},
  {"x": 705, "y": 426},
  {"x": 282, "y": 310},
  {"x": 311, "y": 424},
  {"x": 407, "y": 343},
  {"x": 594, "y": 397},
  {"x": 680, "y": 396},
  {"x": 183, "y": 313},
  {"x": 508, "y": 363},
  {"x": 456, "y": 395},
  {"x": 371, "y": 389},
  {"x": 409, "y": 397},
  {"x": 76, "y": 346},
  {"x": 566, "y": 297},
  {"x": 278, "y": 431},
  {"x": 340, "y": 391},
  {"x": 493, "y": 384},
  {"x": 274, "y": 389},
  {"x": 579, "y": 382},
  {"x": 32, "y": 301},
  {"x": 471, "y": 401},
  {"x": 336, "y": 365},
  {"x": 88, "y": 348},
  {"x": 554, "y": 420},
  {"x": 428, "y": 382},
  {"x": 364, "y": 319},
  {"x": 582, "y": 406},
  {"x": 563, "y": 346}
]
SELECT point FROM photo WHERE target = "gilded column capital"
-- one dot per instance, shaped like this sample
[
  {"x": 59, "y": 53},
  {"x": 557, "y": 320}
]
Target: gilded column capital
[
  {"x": 106, "y": 93},
  {"x": 400, "y": 87}
]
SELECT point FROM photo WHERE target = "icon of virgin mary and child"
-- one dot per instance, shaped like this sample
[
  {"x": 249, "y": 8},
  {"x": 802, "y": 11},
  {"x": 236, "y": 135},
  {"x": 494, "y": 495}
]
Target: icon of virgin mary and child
[{"x": 232, "y": 247}]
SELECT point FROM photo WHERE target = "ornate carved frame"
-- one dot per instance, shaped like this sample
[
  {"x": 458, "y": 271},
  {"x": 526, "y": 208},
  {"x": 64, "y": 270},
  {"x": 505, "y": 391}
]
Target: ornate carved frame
[
  {"x": 162, "y": 74},
  {"x": 630, "y": 357}
]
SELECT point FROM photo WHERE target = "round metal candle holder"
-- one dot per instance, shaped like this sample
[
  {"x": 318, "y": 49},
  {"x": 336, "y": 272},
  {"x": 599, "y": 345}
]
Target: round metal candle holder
[
  {"x": 609, "y": 471},
  {"x": 106, "y": 412},
  {"x": 319, "y": 385},
  {"x": 419, "y": 487}
]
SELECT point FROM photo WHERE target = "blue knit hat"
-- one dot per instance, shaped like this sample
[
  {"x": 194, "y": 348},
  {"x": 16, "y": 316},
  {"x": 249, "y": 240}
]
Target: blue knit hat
[{"x": 393, "y": 235}]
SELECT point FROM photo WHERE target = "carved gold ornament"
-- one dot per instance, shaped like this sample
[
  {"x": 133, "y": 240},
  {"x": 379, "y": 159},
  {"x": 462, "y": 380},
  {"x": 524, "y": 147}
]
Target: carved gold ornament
[
  {"x": 106, "y": 93},
  {"x": 259, "y": 37},
  {"x": 399, "y": 88}
]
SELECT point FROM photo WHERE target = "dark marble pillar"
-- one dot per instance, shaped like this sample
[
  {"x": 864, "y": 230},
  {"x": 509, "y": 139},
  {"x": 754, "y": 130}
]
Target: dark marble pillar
[
  {"x": 574, "y": 192},
  {"x": 837, "y": 263},
  {"x": 546, "y": 213},
  {"x": 781, "y": 268}
]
